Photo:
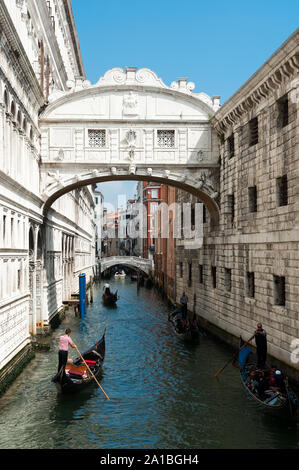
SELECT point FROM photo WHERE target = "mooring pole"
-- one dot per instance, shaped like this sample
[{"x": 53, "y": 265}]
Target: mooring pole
[{"x": 82, "y": 294}]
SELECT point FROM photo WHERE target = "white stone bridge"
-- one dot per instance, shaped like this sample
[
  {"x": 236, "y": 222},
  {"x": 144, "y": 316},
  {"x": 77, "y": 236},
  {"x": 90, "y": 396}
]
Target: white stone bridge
[
  {"x": 130, "y": 126},
  {"x": 142, "y": 264}
]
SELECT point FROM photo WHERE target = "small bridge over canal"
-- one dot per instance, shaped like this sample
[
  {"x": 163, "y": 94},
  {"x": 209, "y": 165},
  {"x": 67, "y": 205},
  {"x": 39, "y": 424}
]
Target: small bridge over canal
[{"x": 142, "y": 264}]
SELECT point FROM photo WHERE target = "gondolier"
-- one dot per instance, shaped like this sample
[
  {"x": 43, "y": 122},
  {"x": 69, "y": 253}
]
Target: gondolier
[
  {"x": 83, "y": 370},
  {"x": 184, "y": 301},
  {"x": 260, "y": 337},
  {"x": 64, "y": 342}
]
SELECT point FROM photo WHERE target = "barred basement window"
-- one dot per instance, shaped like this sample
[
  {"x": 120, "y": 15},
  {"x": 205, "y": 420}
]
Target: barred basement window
[
  {"x": 214, "y": 278},
  {"x": 96, "y": 138},
  {"x": 231, "y": 146},
  {"x": 200, "y": 273},
  {"x": 279, "y": 290},
  {"x": 283, "y": 111},
  {"x": 282, "y": 191},
  {"x": 253, "y": 131},
  {"x": 228, "y": 279},
  {"x": 250, "y": 284},
  {"x": 165, "y": 139},
  {"x": 252, "y": 199}
]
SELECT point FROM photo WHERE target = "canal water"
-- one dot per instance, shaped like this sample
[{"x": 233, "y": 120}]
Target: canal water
[{"x": 163, "y": 394}]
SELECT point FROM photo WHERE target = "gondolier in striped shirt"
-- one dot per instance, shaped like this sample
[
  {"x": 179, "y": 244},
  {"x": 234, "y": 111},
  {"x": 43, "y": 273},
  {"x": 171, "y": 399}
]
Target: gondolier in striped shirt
[{"x": 64, "y": 342}]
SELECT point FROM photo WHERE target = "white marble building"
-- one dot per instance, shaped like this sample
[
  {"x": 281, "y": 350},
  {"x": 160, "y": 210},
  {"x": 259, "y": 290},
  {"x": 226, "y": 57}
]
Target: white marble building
[{"x": 40, "y": 257}]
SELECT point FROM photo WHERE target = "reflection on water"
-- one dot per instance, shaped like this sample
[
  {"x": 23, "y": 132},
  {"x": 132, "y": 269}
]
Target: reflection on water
[{"x": 163, "y": 393}]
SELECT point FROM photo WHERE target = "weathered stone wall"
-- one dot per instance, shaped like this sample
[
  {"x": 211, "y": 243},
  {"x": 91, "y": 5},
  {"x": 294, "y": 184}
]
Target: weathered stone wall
[{"x": 255, "y": 249}]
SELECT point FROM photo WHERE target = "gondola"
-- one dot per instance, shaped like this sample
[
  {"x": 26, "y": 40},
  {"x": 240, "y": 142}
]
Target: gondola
[
  {"x": 110, "y": 299},
  {"x": 76, "y": 375},
  {"x": 190, "y": 334},
  {"x": 283, "y": 403},
  {"x": 121, "y": 275}
]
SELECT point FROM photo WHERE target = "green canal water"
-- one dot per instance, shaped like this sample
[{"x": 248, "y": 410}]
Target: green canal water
[{"x": 163, "y": 394}]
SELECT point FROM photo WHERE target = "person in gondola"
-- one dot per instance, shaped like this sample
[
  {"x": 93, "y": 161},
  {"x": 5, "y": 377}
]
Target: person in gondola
[
  {"x": 64, "y": 342},
  {"x": 260, "y": 337},
  {"x": 107, "y": 289},
  {"x": 193, "y": 323},
  {"x": 184, "y": 302},
  {"x": 277, "y": 382}
]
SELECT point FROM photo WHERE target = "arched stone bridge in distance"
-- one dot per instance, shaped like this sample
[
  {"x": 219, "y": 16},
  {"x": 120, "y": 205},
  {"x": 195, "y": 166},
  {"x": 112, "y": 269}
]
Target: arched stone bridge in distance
[{"x": 142, "y": 264}]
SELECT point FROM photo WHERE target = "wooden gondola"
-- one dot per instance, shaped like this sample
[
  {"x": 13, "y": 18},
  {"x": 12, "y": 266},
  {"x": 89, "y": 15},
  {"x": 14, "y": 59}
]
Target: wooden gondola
[
  {"x": 76, "y": 376},
  {"x": 110, "y": 299},
  {"x": 282, "y": 403},
  {"x": 190, "y": 334}
]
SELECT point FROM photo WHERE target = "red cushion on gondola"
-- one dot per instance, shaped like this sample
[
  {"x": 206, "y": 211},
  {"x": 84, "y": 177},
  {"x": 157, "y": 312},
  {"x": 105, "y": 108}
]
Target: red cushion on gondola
[
  {"x": 90, "y": 362},
  {"x": 76, "y": 372}
]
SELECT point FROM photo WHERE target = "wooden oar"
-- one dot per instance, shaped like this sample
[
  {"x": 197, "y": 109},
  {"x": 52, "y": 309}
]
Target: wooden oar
[
  {"x": 92, "y": 373},
  {"x": 234, "y": 357}
]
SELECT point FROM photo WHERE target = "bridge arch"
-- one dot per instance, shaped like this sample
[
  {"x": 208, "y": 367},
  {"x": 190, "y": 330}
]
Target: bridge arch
[{"x": 141, "y": 264}]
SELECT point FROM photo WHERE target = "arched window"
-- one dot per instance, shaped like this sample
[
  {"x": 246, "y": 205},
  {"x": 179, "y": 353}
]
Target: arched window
[
  {"x": 31, "y": 244},
  {"x": 13, "y": 111},
  {"x": 6, "y": 100}
]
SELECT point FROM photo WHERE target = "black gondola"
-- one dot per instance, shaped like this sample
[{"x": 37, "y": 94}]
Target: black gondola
[
  {"x": 110, "y": 298},
  {"x": 282, "y": 403},
  {"x": 189, "y": 334},
  {"x": 76, "y": 375}
]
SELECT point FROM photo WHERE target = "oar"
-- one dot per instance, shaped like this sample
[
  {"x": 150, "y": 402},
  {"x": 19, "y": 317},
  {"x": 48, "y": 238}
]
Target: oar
[
  {"x": 231, "y": 360},
  {"x": 92, "y": 373}
]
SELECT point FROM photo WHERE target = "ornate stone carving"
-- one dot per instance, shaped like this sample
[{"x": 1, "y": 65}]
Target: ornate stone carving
[
  {"x": 130, "y": 104},
  {"x": 131, "y": 141}
]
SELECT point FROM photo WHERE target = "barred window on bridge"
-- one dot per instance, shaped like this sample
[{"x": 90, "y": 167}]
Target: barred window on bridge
[{"x": 97, "y": 138}]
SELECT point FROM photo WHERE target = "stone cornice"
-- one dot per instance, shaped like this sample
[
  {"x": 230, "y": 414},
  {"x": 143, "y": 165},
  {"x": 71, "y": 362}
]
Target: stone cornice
[
  {"x": 282, "y": 66},
  {"x": 17, "y": 49}
]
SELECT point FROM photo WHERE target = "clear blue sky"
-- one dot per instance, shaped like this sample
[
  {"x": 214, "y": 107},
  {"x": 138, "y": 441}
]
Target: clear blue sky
[{"x": 217, "y": 45}]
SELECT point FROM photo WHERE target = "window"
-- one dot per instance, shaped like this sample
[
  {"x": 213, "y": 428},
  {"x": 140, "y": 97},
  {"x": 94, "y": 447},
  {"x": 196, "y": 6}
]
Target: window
[
  {"x": 283, "y": 112},
  {"x": 154, "y": 193},
  {"x": 282, "y": 191},
  {"x": 252, "y": 199},
  {"x": 228, "y": 279},
  {"x": 181, "y": 269},
  {"x": 279, "y": 290},
  {"x": 204, "y": 214},
  {"x": 165, "y": 139},
  {"x": 4, "y": 231},
  {"x": 192, "y": 215},
  {"x": 19, "y": 279},
  {"x": 96, "y": 138},
  {"x": 250, "y": 284},
  {"x": 231, "y": 146},
  {"x": 214, "y": 279},
  {"x": 190, "y": 275},
  {"x": 200, "y": 273},
  {"x": 253, "y": 131},
  {"x": 231, "y": 206}
]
